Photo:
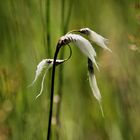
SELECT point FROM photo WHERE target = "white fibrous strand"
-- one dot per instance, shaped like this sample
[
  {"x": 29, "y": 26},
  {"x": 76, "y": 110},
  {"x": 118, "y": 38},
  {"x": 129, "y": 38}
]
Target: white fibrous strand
[
  {"x": 83, "y": 44},
  {"x": 41, "y": 65},
  {"x": 96, "y": 38},
  {"x": 93, "y": 84},
  {"x": 44, "y": 64}
]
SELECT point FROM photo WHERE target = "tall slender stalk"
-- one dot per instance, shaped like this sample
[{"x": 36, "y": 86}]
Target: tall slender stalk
[
  {"x": 52, "y": 91},
  {"x": 64, "y": 27},
  {"x": 67, "y": 21},
  {"x": 60, "y": 83},
  {"x": 62, "y": 15},
  {"x": 60, "y": 87},
  {"x": 48, "y": 26},
  {"x": 48, "y": 35},
  {"x": 43, "y": 21}
]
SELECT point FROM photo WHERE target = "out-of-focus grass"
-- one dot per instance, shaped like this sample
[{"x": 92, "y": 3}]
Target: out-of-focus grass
[{"x": 22, "y": 47}]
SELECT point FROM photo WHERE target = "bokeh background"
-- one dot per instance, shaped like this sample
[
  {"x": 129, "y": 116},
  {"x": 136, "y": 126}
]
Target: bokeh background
[{"x": 24, "y": 43}]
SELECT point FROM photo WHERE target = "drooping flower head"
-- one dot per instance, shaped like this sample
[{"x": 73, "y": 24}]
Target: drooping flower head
[
  {"x": 83, "y": 44},
  {"x": 86, "y": 48}
]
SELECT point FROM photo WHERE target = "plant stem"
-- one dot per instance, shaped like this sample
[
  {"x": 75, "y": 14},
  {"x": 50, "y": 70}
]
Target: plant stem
[
  {"x": 43, "y": 20},
  {"x": 48, "y": 26},
  {"x": 64, "y": 27},
  {"x": 62, "y": 15},
  {"x": 52, "y": 91},
  {"x": 60, "y": 83},
  {"x": 68, "y": 16}
]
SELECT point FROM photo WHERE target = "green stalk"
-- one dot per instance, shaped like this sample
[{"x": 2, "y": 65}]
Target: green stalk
[
  {"x": 43, "y": 20},
  {"x": 48, "y": 26},
  {"x": 60, "y": 74},
  {"x": 62, "y": 15},
  {"x": 64, "y": 27},
  {"x": 68, "y": 17},
  {"x": 48, "y": 50}
]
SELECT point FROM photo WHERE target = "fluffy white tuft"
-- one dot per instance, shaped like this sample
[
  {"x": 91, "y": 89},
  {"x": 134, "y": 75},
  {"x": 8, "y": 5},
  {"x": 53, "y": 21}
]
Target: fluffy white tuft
[
  {"x": 42, "y": 85},
  {"x": 97, "y": 38},
  {"x": 44, "y": 64},
  {"x": 84, "y": 45},
  {"x": 95, "y": 89}
]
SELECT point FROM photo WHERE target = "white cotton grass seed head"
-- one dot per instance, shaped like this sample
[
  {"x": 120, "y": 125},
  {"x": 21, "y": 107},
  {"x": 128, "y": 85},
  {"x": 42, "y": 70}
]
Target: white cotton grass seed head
[
  {"x": 96, "y": 38},
  {"x": 83, "y": 44},
  {"x": 86, "y": 48},
  {"x": 44, "y": 64}
]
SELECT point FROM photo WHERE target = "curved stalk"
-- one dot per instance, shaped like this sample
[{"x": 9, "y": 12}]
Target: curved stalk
[{"x": 52, "y": 90}]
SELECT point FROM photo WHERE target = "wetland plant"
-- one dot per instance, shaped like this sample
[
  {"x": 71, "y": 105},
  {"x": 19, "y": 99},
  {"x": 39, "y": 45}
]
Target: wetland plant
[{"x": 76, "y": 37}]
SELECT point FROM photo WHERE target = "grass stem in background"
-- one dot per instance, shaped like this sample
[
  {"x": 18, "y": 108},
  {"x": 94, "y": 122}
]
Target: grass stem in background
[
  {"x": 60, "y": 75},
  {"x": 64, "y": 28},
  {"x": 48, "y": 25},
  {"x": 43, "y": 21},
  {"x": 48, "y": 35}
]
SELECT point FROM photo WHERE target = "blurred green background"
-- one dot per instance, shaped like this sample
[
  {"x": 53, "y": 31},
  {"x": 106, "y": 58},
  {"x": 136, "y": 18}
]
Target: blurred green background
[{"x": 23, "y": 31}]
